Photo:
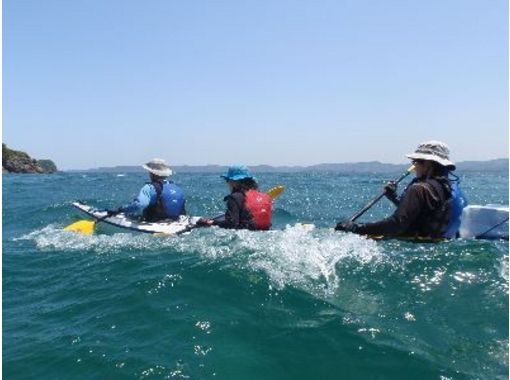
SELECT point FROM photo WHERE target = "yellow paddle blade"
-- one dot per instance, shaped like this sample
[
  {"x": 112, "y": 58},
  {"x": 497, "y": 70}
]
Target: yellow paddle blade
[
  {"x": 274, "y": 192},
  {"x": 82, "y": 226}
]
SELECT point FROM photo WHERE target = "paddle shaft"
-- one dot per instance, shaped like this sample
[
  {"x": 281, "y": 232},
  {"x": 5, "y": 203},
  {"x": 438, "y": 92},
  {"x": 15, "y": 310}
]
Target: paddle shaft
[
  {"x": 376, "y": 199},
  {"x": 480, "y": 236}
]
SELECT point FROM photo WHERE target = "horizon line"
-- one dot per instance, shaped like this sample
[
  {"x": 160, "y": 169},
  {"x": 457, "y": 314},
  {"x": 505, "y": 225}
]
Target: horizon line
[{"x": 283, "y": 165}]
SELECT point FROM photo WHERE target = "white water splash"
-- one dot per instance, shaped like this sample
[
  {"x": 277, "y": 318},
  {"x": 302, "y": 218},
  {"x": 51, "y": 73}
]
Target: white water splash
[
  {"x": 296, "y": 256},
  {"x": 503, "y": 271},
  {"x": 55, "y": 238}
]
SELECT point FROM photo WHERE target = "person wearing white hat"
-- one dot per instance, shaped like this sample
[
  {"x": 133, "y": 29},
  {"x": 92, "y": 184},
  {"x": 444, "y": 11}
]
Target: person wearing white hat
[
  {"x": 430, "y": 206},
  {"x": 158, "y": 199}
]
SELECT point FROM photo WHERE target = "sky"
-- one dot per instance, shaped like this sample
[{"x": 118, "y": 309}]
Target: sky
[{"x": 92, "y": 83}]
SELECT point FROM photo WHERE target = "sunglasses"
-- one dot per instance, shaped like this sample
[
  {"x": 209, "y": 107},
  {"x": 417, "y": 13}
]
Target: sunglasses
[{"x": 418, "y": 162}]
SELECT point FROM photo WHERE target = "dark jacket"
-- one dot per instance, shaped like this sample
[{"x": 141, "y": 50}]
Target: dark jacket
[
  {"x": 236, "y": 215},
  {"x": 422, "y": 211}
]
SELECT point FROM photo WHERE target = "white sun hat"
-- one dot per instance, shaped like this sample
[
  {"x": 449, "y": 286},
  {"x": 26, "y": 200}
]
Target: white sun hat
[
  {"x": 436, "y": 151},
  {"x": 159, "y": 167}
]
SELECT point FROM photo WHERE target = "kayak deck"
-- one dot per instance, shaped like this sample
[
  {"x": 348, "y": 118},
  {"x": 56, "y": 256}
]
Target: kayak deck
[
  {"x": 167, "y": 227},
  {"x": 480, "y": 222}
]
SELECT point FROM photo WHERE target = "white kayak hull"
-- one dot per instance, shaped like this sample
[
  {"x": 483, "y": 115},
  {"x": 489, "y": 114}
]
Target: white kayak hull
[
  {"x": 484, "y": 222},
  {"x": 167, "y": 227}
]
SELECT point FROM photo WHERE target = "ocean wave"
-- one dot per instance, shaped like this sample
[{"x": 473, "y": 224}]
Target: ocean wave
[{"x": 298, "y": 256}]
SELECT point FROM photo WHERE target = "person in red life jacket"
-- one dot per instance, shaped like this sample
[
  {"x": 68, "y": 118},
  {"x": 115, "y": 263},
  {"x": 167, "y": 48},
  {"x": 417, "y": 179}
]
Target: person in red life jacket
[
  {"x": 430, "y": 206},
  {"x": 247, "y": 208}
]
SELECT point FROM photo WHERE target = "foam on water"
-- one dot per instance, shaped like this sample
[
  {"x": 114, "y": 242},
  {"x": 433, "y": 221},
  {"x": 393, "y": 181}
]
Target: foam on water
[
  {"x": 301, "y": 258},
  {"x": 296, "y": 256},
  {"x": 231, "y": 303},
  {"x": 503, "y": 272},
  {"x": 54, "y": 238}
]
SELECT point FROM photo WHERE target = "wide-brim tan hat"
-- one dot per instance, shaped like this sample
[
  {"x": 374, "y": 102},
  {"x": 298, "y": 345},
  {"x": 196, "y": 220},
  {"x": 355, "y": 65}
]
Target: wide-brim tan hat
[
  {"x": 436, "y": 151},
  {"x": 158, "y": 167}
]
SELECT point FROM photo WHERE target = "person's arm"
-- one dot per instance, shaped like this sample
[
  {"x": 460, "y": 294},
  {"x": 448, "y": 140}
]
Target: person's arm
[
  {"x": 141, "y": 202},
  {"x": 409, "y": 208},
  {"x": 393, "y": 198}
]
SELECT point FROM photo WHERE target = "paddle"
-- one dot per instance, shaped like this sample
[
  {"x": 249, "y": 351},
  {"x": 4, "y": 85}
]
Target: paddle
[
  {"x": 480, "y": 236},
  {"x": 274, "y": 192},
  {"x": 85, "y": 227},
  {"x": 376, "y": 199}
]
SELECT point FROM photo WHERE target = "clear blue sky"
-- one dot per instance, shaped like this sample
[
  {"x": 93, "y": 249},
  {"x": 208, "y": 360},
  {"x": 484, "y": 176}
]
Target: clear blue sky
[{"x": 98, "y": 83}]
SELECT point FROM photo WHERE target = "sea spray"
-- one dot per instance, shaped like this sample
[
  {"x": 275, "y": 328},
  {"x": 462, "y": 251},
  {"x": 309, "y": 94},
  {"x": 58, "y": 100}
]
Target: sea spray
[{"x": 293, "y": 302}]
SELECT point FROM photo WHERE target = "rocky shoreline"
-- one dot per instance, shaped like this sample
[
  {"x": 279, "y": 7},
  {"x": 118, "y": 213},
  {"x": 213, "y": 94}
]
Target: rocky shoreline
[{"x": 14, "y": 161}]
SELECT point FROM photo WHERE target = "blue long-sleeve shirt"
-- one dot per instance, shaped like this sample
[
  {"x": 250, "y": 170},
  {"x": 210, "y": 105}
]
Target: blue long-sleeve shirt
[
  {"x": 147, "y": 197},
  {"x": 145, "y": 204}
]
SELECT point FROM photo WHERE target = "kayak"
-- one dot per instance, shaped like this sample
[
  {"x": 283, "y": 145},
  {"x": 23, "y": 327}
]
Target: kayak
[
  {"x": 489, "y": 222},
  {"x": 167, "y": 227},
  {"x": 484, "y": 222},
  {"x": 479, "y": 222}
]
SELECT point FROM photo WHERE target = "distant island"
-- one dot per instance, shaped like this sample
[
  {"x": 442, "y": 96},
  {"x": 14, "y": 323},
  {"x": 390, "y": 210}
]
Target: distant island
[
  {"x": 500, "y": 164},
  {"x": 15, "y": 161}
]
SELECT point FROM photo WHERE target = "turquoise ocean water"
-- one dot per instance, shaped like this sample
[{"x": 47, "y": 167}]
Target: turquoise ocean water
[{"x": 284, "y": 304}]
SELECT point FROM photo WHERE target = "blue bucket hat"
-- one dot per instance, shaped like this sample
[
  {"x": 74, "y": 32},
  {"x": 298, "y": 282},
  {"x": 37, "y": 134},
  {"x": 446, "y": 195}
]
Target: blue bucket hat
[{"x": 237, "y": 172}]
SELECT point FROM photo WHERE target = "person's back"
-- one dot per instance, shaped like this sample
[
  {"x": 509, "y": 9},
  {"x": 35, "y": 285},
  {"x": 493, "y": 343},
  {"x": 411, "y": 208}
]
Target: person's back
[
  {"x": 167, "y": 203},
  {"x": 237, "y": 216},
  {"x": 158, "y": 199},
  {"x": 247, "y": 208}
]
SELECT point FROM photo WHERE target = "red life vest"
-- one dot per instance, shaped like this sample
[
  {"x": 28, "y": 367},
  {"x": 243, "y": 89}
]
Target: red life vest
[{"x": 260, "y": 206}]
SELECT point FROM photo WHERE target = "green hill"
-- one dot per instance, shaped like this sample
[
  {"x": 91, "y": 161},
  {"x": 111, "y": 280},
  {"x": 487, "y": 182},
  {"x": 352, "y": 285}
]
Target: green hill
[{"x": 15, "y": 161}]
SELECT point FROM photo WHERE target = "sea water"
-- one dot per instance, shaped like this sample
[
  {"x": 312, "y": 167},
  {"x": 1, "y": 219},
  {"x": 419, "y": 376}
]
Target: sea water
[{"x": 292, "y": 303}]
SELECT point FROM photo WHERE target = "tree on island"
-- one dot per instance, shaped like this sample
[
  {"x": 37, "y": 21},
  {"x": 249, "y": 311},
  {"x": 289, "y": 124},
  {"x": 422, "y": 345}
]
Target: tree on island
[{"x": 14, "y": 161}]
